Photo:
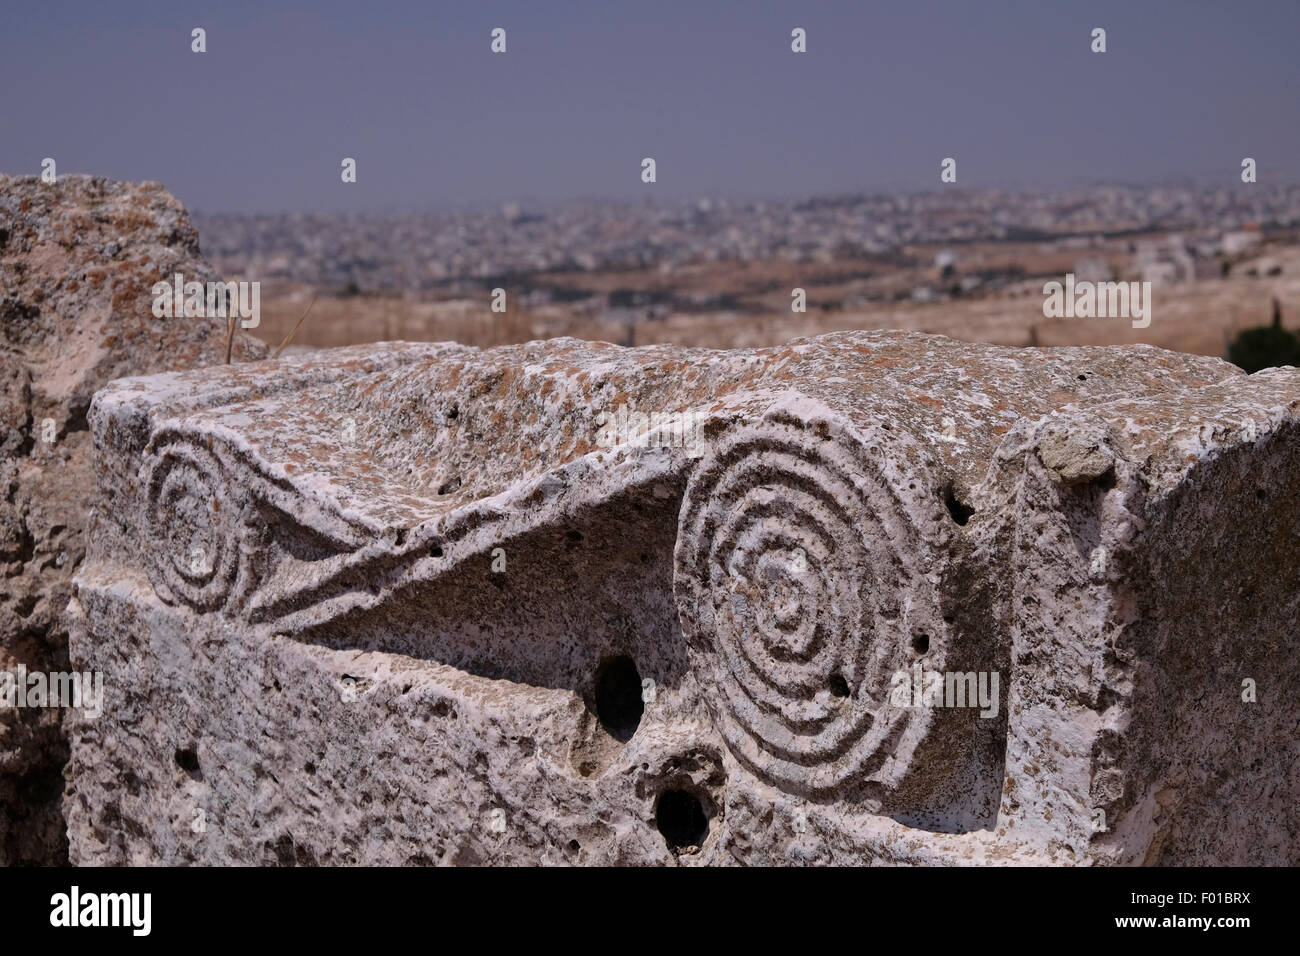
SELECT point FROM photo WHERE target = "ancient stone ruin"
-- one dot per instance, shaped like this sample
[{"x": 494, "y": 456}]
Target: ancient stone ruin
[
  {"x": 78, "y": 259},
  {"x": 867, "y": 598}
]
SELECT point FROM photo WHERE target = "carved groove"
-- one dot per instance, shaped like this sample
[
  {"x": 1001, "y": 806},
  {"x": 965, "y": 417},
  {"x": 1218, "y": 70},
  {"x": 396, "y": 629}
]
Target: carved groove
[
  {"x": 795, "y": 571},
  {"x": 197, "y": 534}
]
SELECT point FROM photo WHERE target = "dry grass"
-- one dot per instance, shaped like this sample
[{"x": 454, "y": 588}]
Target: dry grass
[
  {"x": 294, "y": 331},
  {"x": 1198, "y": 317}
]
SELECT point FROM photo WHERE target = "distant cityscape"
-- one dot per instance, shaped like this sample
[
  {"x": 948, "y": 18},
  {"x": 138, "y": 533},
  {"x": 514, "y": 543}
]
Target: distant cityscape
[{"x": 450, "y": 254}]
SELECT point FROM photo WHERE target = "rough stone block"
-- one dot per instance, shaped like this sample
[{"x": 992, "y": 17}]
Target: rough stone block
[
  {"x": 431, "y": 604},
  {"x": 78, "y": 261}
]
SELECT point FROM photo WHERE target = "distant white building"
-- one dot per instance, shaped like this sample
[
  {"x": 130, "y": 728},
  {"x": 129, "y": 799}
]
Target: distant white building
[
  {"x": 1238, "y": 242},
  {"x": 1165, "y": 260}
]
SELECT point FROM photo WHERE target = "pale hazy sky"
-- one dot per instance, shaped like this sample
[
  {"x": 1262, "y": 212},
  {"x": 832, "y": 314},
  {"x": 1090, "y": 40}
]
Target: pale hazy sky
[{"x": 585, "y": 90}]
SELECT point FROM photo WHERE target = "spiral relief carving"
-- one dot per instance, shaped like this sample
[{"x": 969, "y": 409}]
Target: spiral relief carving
[
  {"x": 196, "y": 530},
  {"x": 798, "y": 589}
]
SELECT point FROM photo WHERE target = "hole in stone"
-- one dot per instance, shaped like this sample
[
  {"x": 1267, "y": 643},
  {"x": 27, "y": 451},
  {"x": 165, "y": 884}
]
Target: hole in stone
[
  {"x": 574, "y": 536},
  {"x": 1107, "y": 481},
  {"x": 1083, "y": 378},
  {"x": 839, "y": 687},
  {"x": 575, "y": 846},
  {"x": 447, "y": 487},
  {"x": 188, "y": 760},
  {"x": 454, "y": 412},
  {"x": 958, "y": 509},
  {"x": 921, "y": 643},
  {"x": 435, "y": 551},
  {"x": 782, "y": 654},
  {"x": 680, "y": 818},
  {"x": 618, "y": 697}
]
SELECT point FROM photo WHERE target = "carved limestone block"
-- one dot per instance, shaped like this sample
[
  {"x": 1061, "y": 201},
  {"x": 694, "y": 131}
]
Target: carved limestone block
[{"x": 869, "y": 598}]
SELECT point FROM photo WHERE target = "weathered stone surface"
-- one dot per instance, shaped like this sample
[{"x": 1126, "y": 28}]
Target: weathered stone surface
[
  {"x": 405, "y": 604},
  {"x": 78, "y": 260}
]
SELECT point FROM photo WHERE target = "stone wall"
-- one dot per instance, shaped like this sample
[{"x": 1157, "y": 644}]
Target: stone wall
[{"x": 78, "y": 260}]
